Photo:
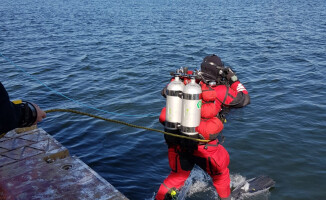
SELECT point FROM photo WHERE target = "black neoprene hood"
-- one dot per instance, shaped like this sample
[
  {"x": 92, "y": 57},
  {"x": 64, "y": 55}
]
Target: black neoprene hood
[{"x": 211, "y": 66}]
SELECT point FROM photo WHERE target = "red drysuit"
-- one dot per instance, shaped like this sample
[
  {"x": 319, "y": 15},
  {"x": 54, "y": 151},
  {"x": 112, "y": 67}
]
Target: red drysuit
[{"x": 212, "y": 157}]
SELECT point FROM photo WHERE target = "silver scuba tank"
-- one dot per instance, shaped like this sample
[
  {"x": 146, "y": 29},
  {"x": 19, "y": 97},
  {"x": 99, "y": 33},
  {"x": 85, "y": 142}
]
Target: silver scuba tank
[
  {"x": 174, "y": 103},
  {"x": 191, "y": 108}
]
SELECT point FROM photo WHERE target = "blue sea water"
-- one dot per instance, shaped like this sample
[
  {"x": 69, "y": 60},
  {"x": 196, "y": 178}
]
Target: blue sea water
[{"x": 116, "y": 56}]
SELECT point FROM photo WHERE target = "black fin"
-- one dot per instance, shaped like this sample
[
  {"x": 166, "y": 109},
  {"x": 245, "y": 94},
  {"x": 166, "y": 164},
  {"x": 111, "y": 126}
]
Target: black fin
[{"x": 255, "y": 184}]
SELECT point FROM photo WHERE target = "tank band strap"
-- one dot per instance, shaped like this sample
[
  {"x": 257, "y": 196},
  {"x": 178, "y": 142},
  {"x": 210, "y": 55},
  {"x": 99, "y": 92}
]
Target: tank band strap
[
  {"x": 189, "y": 131},
  {"x": 191, "y": 96},
  {"x": 174, "y": 93},
  {"x": 171, "y": 125}
]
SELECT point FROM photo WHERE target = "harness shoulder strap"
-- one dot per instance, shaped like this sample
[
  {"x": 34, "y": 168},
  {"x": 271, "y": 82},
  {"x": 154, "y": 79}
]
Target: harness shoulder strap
[{"x": 227, "y": 94}]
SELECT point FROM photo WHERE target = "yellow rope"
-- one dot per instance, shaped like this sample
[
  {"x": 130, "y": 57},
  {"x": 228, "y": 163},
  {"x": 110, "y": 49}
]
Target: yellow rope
[
  {"x": 124, "y": 123},
  {"x": 2, "y": 135}
]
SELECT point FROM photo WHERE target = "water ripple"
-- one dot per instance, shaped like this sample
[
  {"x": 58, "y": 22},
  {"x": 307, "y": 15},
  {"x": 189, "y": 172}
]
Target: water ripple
[{"x": 117, "y": 55}]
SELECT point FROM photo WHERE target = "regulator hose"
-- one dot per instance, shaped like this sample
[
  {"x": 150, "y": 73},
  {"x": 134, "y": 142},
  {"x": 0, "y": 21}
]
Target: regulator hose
[{"x": 124, "y": 123}]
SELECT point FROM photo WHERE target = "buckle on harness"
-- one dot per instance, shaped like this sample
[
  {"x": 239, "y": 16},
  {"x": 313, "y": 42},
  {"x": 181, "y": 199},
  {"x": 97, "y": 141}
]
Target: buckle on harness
[
  {"x": 212, "y": 145},
  {"x": 172, "y": 194}
]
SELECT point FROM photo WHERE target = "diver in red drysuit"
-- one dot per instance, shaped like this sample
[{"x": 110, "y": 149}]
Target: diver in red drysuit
[{"x": 212, "y": 157}]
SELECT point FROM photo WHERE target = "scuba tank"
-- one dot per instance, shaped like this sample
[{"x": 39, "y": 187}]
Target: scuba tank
[
  {"x": 174, "y": 103},
  {"x": 191, "y": 108}
]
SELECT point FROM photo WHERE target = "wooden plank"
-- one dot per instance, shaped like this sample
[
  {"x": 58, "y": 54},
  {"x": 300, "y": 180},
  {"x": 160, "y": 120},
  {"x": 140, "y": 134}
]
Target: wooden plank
[{"x": 33, "y": 165}]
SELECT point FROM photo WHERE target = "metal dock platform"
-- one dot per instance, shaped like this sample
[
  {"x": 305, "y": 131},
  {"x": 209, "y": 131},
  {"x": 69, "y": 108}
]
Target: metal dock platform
[{"x": 33, "y": 165}]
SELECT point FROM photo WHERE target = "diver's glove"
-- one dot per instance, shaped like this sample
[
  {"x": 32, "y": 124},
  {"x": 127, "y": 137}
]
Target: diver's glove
[
  {"x": 28, "y": 113},
  {"x": 231, "y": 76}
]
